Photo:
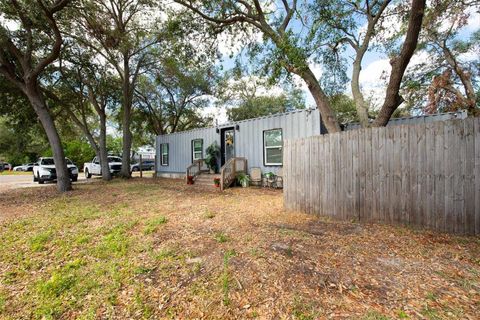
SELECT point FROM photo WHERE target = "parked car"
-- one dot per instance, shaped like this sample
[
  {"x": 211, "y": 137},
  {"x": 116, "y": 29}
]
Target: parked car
[
  {"x": 146, "y": 165},
  {"x": 95, "y": 169},
  {"x": 7, "y": 166},
  {"x": 24, "y": 167},
  {"x": 44, "y": 170}
]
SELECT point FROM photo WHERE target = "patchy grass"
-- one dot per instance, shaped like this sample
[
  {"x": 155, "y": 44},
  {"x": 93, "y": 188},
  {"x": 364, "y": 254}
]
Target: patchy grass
[
  {"x": 16, "y": 173},
  {"x": 209, "y": 214},
  {"x": 157, "y": 249},
  {"x": 153, "y": 224},
  {"x": 38, "y": 242},
  {"x": 226, "y": 277},
  {"x": 220, "y": 237}
]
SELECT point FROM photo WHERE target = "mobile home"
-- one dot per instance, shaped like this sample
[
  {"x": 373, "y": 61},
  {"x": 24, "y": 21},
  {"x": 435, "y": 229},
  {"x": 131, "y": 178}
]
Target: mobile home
[
  {"x": 258, "y": 141},
  {"x": 254, "y": 142}
]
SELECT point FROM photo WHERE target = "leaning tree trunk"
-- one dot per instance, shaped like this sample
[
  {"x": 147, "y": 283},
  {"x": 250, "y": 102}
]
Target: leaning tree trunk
[
  {"x": 399, "y": 64},
  {"x": 102, "y": 146},
  {"x": 39, "y": 105},
  {"x": 328, "y": 116},
  {"x": 464, "y": 76},
  {"x": 362, "y": 111}
]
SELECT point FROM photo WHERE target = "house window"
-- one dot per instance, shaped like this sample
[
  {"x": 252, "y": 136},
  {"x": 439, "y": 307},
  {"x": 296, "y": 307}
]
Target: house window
[
  {"x": 197, "y": 149},
  {"x": 272, "y": 143},
  {"x": 164, "y": 154}
]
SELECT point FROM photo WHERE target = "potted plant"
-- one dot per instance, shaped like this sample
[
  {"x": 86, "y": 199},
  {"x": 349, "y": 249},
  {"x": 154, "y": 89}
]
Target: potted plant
[
  {"x": 212, "y": 153},
  {"x": 189, "y": 179},
  {"x": 243, "y": 179},
  {"x": 216, "y": 181}
]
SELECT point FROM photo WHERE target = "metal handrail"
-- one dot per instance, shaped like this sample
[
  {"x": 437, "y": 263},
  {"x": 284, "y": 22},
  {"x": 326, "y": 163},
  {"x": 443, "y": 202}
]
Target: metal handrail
[{"x": 229, "y": 170}]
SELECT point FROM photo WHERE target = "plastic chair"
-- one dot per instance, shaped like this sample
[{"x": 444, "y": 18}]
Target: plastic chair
[{"x": 256, "y": 176}]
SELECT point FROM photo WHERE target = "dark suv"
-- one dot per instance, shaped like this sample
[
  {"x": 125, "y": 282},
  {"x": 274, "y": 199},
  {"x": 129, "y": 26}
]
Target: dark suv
[{"x": 146, "y": 165}]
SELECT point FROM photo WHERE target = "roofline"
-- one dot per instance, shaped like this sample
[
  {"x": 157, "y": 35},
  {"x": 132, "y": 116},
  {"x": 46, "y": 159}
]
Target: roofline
[
  {"x": 455, "y": 113},
  {"x": 230, "y": 124}
]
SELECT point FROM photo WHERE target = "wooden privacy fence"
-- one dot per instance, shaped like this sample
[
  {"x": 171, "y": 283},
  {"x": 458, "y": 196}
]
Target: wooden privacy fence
[{"x": 425, "y": 175}]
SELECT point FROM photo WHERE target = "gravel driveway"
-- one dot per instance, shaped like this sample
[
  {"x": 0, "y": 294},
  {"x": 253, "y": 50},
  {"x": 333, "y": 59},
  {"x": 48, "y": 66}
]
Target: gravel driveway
[{"x": 10, "y": 182}]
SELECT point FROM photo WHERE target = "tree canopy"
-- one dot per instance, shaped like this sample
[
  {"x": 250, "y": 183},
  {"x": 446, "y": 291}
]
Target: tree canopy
[{"x": 125, "y": 70}]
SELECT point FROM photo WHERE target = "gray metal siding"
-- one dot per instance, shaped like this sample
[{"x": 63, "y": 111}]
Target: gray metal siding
[
  {"x": 180, "y": 148},
  {"x": 248, "y": 138}
]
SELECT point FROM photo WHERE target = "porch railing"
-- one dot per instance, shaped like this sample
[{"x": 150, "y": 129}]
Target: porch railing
[
  {"x": 197, "y": 167},
  {"x": 229, "y": 171}
]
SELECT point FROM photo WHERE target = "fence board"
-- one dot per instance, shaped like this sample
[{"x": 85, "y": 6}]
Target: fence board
[
  {"x": 477, "y": 174},
  {"x": 469, "y": 186},
  {"x": 429, "y": 175},
  {"x": 459, "y": 177},
  {"x": 405, "y": 176},
  {"x": 439, "y": 172},
  {"x": 368, "y": 173},
  {"x": 421, "y": 181},
  {"x": 449, "y": 159},
  {"x": 424, "y": 175}
]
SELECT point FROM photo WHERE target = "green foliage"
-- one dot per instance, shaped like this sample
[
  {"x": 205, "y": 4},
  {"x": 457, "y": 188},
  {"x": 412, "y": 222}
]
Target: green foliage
[
  {"x": 344, "y": 108},
  {"x": 449, "y": 47},
  {"x": 260, "y": 106},
  {"x": 250, "y": 97},
  {"x": 79, "y": 151},
  {"x": 212, "y": 154},
  {"x": 243, "y": 179},
  {"x": 114, "y": 145},
  {"x": 172, "y": 94}
]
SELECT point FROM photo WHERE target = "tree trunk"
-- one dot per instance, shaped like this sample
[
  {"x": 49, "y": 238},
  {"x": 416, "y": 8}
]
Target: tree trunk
[
  {"x": 321, "y": 100},
  {"x": 38, "y": 102},
  {"x": 362, "y": 111},
  {"x": 400, "y": 63},
  {"x": 85, "y": 131},
  {"x": 127, "y": 111},
  {"x": 464, "y": 76},
  {"x": 103, "y": 154}
]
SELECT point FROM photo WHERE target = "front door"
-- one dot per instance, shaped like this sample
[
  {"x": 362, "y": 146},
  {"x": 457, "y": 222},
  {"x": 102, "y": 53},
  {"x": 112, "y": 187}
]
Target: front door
[{"x": 228, "y": 144}]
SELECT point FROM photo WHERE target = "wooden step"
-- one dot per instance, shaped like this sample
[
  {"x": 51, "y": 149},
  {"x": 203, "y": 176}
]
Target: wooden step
[{"x": 206, "y": 179}]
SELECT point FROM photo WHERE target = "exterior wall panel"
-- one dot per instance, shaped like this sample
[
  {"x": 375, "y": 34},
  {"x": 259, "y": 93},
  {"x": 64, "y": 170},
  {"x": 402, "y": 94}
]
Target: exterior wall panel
[{"x": 248, "y": 139}]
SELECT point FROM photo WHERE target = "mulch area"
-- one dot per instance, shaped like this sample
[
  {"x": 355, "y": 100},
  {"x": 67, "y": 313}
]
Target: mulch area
[{"x": 281, "y": 265}]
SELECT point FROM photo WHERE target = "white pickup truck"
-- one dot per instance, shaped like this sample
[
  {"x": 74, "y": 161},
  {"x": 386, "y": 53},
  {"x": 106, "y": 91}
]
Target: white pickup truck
[{"x": 95, "y": 169}]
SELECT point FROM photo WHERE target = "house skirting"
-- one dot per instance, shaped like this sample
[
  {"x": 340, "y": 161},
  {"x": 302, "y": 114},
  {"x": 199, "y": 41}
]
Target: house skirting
[{"x": 171, "y": 175}]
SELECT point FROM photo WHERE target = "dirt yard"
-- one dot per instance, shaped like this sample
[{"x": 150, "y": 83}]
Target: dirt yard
[{"x": 156, "y": 249}]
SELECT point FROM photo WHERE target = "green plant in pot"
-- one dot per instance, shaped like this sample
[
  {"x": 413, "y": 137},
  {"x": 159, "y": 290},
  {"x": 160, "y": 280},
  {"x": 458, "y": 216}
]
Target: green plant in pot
[
  {"x": 212, "y": 153},
  {"x": 243, "y": 179}
]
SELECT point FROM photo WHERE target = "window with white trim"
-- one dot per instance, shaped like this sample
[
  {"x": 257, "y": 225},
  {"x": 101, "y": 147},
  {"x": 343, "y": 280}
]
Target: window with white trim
[
  {"x": 272, "y": 144},
  {"x": 164, "y": 154},
  {"x": 197, "y": 149}
]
